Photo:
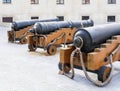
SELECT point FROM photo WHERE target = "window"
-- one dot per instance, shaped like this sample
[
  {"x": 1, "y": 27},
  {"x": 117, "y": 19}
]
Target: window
[
  {"x": 7, "y": 19},
  {"x": 111, "y": 18},
  {"x": 34, "y": 17},
  {"x": 111, "y": 1},
  {"x": 6, "y": 1},
  {"x": 60, "y": 2},
  {"x": 85, "y": 17},
  {"x": 34, "y": 1},
  {"x": 85, "y": 1},
  {"x": 61, "y": 18}
]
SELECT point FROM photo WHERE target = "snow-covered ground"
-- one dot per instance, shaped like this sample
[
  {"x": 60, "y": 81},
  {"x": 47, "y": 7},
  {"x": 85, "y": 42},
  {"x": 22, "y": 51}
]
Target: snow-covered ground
[{"x": 21, "y": 70}]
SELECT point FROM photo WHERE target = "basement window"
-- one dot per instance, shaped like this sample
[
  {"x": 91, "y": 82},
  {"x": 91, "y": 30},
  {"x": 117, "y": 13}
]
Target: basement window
[
  {"x": 111, "y": 19},
  {"x": 60, "y": 2},
  {"x": 34, "y": 1},
  {"x": 34, "y": 17},
  {"x": 85, "y": 1},
  {"x": 85, "y": 17},
  {"x": 6, "y": 1},
  {"x": 61, "y": 18},
  {"x": 7, "y": 19},
  {"x": 111, "y": 1}
]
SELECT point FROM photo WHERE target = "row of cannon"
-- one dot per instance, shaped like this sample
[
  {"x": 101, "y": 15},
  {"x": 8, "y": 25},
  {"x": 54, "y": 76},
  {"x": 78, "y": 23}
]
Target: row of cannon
[{"x": 89, "y": 47}]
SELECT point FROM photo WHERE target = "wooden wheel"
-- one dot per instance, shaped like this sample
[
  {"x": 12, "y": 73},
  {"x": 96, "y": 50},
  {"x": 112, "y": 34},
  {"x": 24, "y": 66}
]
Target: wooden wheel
[
  {"x": 51, "y": 49},
  {"x": 23, "y": 41},
  {"x": 103, "y": 73},
  {"x": 66, "y": 67},
  {"x": 32, "y": 47}
]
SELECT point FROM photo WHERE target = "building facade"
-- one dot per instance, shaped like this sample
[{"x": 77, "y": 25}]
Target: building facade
[{"x": 101, "y": 11}]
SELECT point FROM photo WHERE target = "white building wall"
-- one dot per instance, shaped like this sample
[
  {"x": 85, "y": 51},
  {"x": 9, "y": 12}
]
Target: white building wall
[{"x": 98, "y": 10}]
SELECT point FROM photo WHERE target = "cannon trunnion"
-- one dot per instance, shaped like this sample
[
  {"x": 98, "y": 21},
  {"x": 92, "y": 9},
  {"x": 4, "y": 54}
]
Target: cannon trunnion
[{"x": 92, "y": 50}]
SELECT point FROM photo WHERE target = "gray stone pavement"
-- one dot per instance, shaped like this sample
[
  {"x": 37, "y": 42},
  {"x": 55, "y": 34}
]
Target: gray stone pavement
[{"x": 21, "y": 70}]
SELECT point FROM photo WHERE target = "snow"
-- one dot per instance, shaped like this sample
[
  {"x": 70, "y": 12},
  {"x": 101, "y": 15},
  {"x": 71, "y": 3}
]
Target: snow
[{"x": 21, "y": 70}]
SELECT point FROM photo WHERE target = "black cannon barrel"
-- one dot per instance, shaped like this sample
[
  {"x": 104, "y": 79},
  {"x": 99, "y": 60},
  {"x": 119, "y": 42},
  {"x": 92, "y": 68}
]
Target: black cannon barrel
[
  {"x": 48, "y": 27},
  {"x": 22, "y": 24},
  {"x": 94, "y": 36}
]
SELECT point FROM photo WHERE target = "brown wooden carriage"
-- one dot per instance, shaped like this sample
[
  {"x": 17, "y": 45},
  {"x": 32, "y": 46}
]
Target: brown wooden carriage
[
  {"x": 20, "y": 36},
  {"x": 95, "y": 61},
  {"x": 51, "y": 41}
]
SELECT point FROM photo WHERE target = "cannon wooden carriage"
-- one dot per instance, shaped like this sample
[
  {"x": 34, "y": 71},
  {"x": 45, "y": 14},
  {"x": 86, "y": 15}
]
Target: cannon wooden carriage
[
  {"x": 51, "y": 41},
  {"x": 50, "y": 35},
  {"x": 92, "y": 50},
  {"x": 20, "y": 36},
  {"x": 20, "y": 30}
]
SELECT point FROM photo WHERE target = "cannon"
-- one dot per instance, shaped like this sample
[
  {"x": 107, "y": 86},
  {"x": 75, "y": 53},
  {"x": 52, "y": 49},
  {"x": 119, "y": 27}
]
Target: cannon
[
  {"x": 19, "y": 30},
  {"x": 16, "y": 26},
  {"x": 49, "y": 35},
  {"x": 48, "y": 27},
  {"x": 93, "y": 50}
]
